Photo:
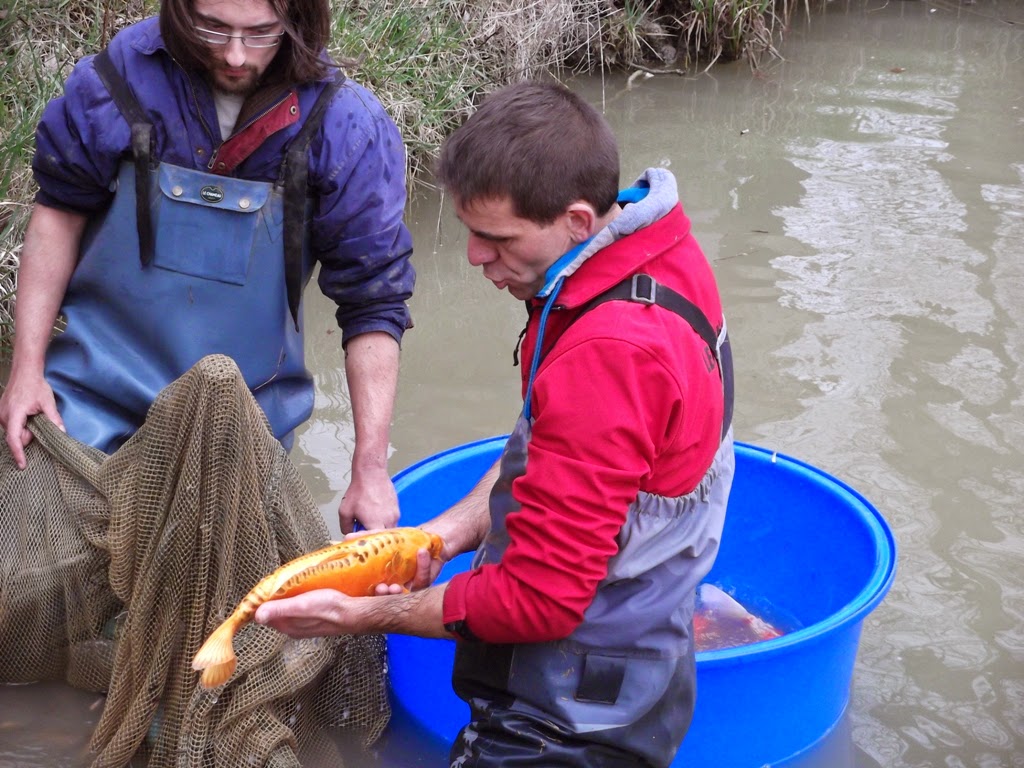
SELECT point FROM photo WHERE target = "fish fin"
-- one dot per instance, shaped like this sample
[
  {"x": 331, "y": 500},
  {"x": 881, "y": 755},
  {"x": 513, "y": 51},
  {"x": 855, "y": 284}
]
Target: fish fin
[
  {"x": 216, "y": 657},
  {"x": 218, "y": 674}
]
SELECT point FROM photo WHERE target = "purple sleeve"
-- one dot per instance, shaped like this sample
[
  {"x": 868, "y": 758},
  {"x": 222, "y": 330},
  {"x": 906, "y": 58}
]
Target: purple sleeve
[
  {"x": 359, "y": 236},
  {"x": 80, "y": 141}
]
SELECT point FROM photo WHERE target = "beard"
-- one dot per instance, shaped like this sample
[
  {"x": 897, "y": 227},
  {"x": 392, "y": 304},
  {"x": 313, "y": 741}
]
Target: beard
[{"x": 238, "y": 84}]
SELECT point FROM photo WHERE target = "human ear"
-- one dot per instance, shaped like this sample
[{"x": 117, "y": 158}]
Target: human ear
[{"x": 580, "y": 219}]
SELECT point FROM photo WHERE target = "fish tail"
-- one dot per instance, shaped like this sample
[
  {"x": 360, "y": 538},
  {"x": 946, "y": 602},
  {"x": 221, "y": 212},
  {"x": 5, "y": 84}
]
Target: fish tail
[{"x": 216, "y": 657}]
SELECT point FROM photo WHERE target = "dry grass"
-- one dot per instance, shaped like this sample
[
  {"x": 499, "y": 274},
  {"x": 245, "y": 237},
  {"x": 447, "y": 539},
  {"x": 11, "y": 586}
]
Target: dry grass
[
  {"x": 40, "y": 40},
  {"x": 430, "y": 61}
]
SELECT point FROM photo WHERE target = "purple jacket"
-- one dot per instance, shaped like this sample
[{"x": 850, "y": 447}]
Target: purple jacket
[{"x": 356, "y": 168}]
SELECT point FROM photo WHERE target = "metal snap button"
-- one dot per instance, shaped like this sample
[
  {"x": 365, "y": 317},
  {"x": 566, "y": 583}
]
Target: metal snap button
[
  {"x": 177, "y": 191},
  {"x": 243, "y": 203}
]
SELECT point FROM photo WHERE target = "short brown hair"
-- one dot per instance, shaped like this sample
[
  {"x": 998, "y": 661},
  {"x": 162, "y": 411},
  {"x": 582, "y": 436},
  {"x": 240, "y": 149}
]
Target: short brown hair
[
  {"x": 307, "y": 27},
  {"x": 537, "y": 144}
]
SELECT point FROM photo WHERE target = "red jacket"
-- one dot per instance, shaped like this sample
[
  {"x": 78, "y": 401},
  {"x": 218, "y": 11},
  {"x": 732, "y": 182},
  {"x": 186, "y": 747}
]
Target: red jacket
[{"x": 624, "y": 400}]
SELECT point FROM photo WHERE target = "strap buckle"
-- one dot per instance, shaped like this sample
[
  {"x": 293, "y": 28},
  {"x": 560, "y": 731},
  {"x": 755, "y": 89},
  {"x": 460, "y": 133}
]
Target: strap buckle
[{"x": 644, "y": 292}]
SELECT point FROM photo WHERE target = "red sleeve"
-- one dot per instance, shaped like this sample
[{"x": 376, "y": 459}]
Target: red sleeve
[{"x": 595, "y": 438}]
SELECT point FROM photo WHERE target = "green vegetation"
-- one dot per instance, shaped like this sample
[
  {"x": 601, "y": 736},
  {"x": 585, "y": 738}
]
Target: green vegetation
[
  {"x": 40, "y": 40},
  {"x": 429, "y": 61}
]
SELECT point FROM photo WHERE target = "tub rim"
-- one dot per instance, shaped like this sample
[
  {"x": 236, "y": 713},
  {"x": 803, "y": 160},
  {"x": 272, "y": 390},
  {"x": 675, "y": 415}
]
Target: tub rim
[{"x": 853, "y": 612}]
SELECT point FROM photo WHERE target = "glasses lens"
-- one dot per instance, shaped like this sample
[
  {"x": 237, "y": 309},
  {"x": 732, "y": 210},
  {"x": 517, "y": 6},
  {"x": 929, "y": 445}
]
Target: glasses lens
[
  {"x": 249, "y": 41},
  {"x": 262, "y": 41},
  {"x": 211, "y": 37}
]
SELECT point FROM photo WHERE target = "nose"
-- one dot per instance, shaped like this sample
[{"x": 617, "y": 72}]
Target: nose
[
  {"x": 479, "y": 251},
  {"x": 234, "y": 52}
]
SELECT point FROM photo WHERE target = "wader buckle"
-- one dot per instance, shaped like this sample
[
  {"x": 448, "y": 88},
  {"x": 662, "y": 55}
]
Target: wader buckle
[{"x": 643, "y": 289}]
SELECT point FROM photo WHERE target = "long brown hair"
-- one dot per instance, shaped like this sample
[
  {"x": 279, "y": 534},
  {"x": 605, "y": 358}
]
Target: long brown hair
[
  {"x": 307, "y": 27},
  {"x": 538, "y": 144}
]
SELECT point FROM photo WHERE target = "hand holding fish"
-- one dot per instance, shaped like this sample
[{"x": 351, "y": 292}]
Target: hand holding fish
[
  {"x": 329, "y": 612},
  {"x": 355, "y": 567},
  {"x": 315, "y": 614},
  {"x": 428, "y": 566}
]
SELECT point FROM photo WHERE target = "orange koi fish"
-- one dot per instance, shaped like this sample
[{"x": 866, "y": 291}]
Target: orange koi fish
[{"x": 355, "y": 566}]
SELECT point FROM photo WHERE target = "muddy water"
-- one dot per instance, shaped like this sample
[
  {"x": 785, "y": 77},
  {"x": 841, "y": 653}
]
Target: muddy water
[{"x": 863, "y": 205}]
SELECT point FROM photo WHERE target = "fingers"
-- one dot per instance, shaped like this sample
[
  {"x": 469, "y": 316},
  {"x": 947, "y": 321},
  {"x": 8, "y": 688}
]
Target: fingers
[
  {"x": 265, "y": 614},
  {"x": 425, "y": 572},
  {"x": 50, "y": 411},
  {"x": 318, "y": 613},
  {"x": 369, "y": 501},
  {"x": 293, "y": 615},
  {"x": 24, "y": 398},
  {"x": 389, "y": 518},
  {"x": 18, "y": 436},
  {"x": 389, "y": 589},
  {"x": 346, "y": 519}
]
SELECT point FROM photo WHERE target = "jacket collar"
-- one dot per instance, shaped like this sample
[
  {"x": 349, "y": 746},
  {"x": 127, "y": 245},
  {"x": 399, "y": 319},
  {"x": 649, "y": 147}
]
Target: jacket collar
[{"x": 650, "y": 205}]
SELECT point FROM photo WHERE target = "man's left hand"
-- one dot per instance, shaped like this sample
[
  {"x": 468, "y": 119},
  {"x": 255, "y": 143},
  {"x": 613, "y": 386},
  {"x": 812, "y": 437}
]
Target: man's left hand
[{"x": 370, "y": 500}]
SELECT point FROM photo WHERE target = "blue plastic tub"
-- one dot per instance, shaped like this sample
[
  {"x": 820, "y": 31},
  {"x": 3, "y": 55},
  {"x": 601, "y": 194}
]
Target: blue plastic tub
[{"x": 800, "y": 548}]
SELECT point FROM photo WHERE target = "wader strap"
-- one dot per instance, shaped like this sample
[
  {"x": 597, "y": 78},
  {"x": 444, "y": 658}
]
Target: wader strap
[
  {"x": 142, "y": 147},
  {"x": 294, "y": 175},
  {"x": 728, "y": 385},
  {"x": 644, "y": 289}
]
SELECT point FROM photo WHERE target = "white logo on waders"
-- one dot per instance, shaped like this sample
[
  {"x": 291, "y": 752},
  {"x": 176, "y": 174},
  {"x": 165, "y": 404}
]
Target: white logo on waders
[{"x": 212, "y": 194}]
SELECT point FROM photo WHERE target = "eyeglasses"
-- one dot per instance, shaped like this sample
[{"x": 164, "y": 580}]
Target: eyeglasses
[{"x": 249, "y": 41}]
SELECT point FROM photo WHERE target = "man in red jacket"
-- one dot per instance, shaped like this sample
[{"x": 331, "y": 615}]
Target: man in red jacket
[{"x": 574, "y": 625}]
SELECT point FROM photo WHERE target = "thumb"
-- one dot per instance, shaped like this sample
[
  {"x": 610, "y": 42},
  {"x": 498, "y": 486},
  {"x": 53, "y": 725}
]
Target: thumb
[
  {"x": 51, "y": 412},
  {"x": 264, "y": 614}
]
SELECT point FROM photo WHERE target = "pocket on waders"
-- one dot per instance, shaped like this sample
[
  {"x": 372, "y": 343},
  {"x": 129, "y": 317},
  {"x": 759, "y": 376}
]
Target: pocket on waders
[{"x": 205, "y": 225}]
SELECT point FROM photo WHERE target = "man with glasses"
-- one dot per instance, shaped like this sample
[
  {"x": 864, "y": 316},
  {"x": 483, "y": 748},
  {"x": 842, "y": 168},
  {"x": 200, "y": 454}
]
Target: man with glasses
[{"x": 190, "y": 177}]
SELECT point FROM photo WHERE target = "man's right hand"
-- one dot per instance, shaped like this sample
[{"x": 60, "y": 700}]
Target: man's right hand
[
  {"x": 25, "y": 395},
  {"x": 48, "y": 257},
  {"x": 427, "y": 570}
]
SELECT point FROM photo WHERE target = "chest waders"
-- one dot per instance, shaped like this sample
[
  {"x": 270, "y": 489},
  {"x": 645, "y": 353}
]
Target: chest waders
[
  {"x": 619, "y": 691},
  {"x": 184, "y": 264}
]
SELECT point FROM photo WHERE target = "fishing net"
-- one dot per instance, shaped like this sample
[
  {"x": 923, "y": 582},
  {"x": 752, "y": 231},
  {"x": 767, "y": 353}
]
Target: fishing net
[{"x": 114, "y": 569}]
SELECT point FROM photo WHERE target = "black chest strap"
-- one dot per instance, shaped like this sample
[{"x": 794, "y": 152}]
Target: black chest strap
[
  {"x": 294, "y": 178},
  {"x": 142, "y": 148},
  {"x": 644, "y": 289}
]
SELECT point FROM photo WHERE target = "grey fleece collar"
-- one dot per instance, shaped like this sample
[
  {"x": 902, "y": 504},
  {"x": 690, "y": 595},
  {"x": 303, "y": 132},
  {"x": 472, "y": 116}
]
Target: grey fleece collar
[{"x": 662, "y": 197}]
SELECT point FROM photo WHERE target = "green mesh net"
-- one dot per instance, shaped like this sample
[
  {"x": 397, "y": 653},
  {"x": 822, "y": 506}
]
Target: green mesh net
[{"x": 114, "y": 569}]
